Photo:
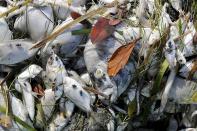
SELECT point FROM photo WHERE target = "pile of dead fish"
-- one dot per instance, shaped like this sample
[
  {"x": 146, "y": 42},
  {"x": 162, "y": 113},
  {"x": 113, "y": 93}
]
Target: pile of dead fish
[{"x": 64, "y": 85}]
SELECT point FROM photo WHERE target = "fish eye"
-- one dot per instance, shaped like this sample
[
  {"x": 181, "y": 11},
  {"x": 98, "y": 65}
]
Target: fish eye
[{"x": 99, "y": 73}]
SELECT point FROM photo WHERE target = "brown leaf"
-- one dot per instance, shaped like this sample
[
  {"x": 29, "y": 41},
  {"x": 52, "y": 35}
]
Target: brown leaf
[
  {"x": 101, "y": 30},
  {"x": 75, "y": 15},
  {"x": 39, "y": 90},
  {"x": 120, "y": 58},
  {"x": 114, "y": 21},
  {"x": 5, "y": 121}
]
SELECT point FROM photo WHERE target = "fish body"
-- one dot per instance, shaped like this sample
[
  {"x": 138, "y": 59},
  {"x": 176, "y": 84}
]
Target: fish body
[
  {"x": 96, "y": 57},
  {"x": 16, "y": 51},
  {"x": 74, "y": 91},
  {"x": 44, "y": 22}
]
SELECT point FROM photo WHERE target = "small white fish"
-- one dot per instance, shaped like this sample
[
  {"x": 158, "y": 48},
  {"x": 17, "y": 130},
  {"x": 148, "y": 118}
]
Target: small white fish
[
  {"x": 19, "y": 110},
  {"x": 170, "y": 53},
  {"x": 189, "y": 48},
  {"x": 23, "y": 86},
  {"x": 5, "y": 33},
  {"x": 86, "y": 78},
  {"x": 37, "y": 28},
  {"x": 15, "y": 51},
  {"x": 55, "y": 71},
  {"x": 67, "y": 41},
  {"x": 74, "y": 91},
  {"x": 58, "y": 123},
  {"x": 176, "y": 4},
  {"x": 28, "y": 98},
  {"x": 67, "y": 107},
  {"x": 48, "y": 103},
  {"x": 32, "y": 71},
  {"x": 180, "y": 57}
]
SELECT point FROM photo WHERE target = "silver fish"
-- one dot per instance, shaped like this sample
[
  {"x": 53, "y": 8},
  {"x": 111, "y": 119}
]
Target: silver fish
[
  {"x": 48, "y": 103},
  {"x": 5, "y": 33},
  {"x": 28, "y": 98},
  {"x": 31, "y": 72},
  {"x": 22, "y": 85},
  {"x": 58, "y": 123},
  {"x": 96, "y": 57},
  {"x": 55, "y": 71},
  {"x": 19, "y": 110},
  {"x": 182, "y": 91},
  {"x": 74, "y": 91},
  {"x": 66, "y": 41},
  {"x": 189, "y": 47},
  {"x": 15, "y": 51},
  {"x": 170, "y": 53},
  {"x": 44, "y": 22},
  {"x": 67, "y": 107}
]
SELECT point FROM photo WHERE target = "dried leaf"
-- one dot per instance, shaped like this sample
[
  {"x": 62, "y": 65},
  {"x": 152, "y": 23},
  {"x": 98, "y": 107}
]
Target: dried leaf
[
  {"x": 120, "y": 57},
  {"x": 75, "y": 15},
  {"x": 5, "y": 121},
  {"x": 114, "y": 21},
  {"x": 101, "y": 30},
  {"x": 39, "y": 90}
]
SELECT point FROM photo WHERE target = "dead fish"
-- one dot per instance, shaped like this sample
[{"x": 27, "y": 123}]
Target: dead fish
[
  {"x": 67, "y": 107},
  {"x": 176, "y": 4},
  {"x": 126, "y": 33},
  {"x": 86, "y": 78},
  {"x": 31, "y": 72},
  {"x": 102, "y": 119},
  {"x": 190, "y": 46},
  {"x": 5, "y": 33},
  {"x": 22, "y": 85},
  {"x": 74, "y": 91},
  {"x": 48, "y": 103},
  {"x": 66, "y": 41},
  {"x": 16, "y": 51},
  {"x": 182, "y": 91},
  {"x": 170, "y": 53},
  {"x": 28, "y": 98},
  {"x": 44, "y": 22},
  {"x": 19, "y": 110},
  {"x": 189, "y": 118},
  {"x": 96, "y": 57},
  {"x": 180, "y": 57},
  {"x": 55, "y": 71},
  {"x": 58, "y": 123}
]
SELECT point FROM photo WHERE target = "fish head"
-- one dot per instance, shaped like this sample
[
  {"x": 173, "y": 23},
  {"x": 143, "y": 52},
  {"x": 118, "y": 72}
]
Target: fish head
[
  {"x": 102, "y": 81},
  {"x": 54, "y": 61}
]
